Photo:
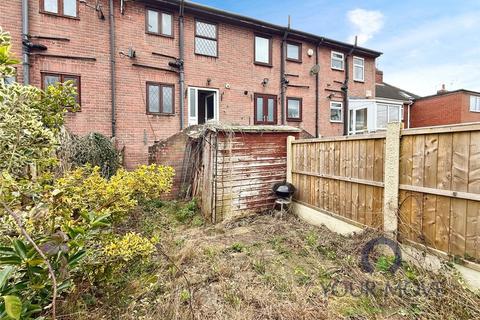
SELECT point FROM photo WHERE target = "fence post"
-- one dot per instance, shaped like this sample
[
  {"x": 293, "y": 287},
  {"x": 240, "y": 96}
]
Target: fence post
[
  {"x": 290, "y": 139},
  {"x": 391, "y": 179}
]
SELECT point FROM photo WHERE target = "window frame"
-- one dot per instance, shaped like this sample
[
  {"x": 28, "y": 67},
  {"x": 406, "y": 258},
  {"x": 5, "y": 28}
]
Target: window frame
[
  {"x": 476, "y": 99},
  {"x": 62, "y": 76},
  {"x": 265, "y": 98},
  {"x": 270, "y": 49},
  {"x": 60, "y": 10},
  {"x": 357, "y": 65},
  {"x": 336, "y": 108},
  {"x": 161, "y": 85},
  {"x": 204, "y": 37},
  {"x": 160, "y": 24},
  {"x": 300, "y": 110},
  {"x": 299, "y": 46},
  {"x": 332, "y": 58}
]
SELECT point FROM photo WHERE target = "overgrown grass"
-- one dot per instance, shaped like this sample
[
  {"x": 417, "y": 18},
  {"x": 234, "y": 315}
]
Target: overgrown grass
[{"x": 264, "y": 268}]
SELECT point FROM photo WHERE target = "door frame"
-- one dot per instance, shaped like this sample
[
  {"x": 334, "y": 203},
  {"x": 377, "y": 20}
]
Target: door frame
[
  {"x": 216, "y": 109},
  {"x": 265, "y": 107}
]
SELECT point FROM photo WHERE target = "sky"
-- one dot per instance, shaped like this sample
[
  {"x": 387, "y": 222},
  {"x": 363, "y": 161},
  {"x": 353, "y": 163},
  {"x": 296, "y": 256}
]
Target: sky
[{"x": 425, "y": 43}]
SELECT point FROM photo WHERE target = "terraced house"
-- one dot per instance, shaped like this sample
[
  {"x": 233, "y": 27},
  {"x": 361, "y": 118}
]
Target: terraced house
[{"x": 147, "y": 69}]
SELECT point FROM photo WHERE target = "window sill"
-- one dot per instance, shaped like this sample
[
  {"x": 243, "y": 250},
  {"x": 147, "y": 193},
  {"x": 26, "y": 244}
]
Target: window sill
[
  {"x": 206, "y": 55},
  {"x": 58, "y": 15},
  {"x": 161, "y": 114},
  {"x": 294, "y": 120},
  {"x": 336, "y": 69},
  {"x": 336, "y": 121},
  {"x": 262, "y": 64},
  {"x": 159, "y": 35},
  {"x": 293, "y": 60},
  {"x": 359, "y": 81}
]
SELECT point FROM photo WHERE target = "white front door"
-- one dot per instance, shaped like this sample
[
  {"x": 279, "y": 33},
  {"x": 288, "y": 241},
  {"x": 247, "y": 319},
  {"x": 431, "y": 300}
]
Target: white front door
[{"x": 210, "y": 104}]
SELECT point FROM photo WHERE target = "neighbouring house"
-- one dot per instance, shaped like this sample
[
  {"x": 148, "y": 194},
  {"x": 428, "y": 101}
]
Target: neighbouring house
[
  {"x": 391, "y": 104},
  {"x": 446, "y": 107},
  {"x": 147, "y": 69}
]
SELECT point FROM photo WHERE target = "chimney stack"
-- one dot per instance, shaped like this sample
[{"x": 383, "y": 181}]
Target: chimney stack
[
  {"x": 443, "y": 90},
  {"x": 378, "y": 76}
]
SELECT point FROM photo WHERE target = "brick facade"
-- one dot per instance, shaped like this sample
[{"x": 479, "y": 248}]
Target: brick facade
[
  {"x": 85, "y": 47},
  {"x": 442, "y": 109}
]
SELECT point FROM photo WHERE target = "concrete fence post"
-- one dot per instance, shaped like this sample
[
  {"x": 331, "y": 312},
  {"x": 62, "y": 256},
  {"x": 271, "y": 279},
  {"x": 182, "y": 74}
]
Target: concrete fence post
[
  {"x": 391, "y": 179},
  {"x": 290, "y": 140}
]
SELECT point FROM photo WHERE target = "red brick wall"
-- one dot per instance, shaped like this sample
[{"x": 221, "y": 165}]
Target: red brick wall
[
  {"x": 450, "y": 108},
  {"x": 136, "y": 130}
]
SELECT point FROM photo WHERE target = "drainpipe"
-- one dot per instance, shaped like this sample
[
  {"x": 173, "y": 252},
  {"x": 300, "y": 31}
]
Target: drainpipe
[
  {"x": 317, "y": 95},
  {"x": 408, "y": 113},
  {"x": 181, "y": 32},
  {"x": 25, "y": 53},
  {"x": 345, "y": 90},
  {"x": 283, "y": 80},
  {"x": 112, "y": 67}
]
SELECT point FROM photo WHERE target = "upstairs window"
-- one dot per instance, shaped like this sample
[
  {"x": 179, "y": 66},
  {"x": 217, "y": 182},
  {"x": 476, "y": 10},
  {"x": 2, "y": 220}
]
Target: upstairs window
[
  {"x": 336, "y": 109},
  {"x": 160, "y": 98},
  {"x": 68, "y": 8},
  {"x": 294, "y": 109},
  {"x": 49, "y": 79},
  {"x": 294, "y": 52},
  {"x": 160, "y": 23},
  {"x": 475, "y": 103},
  {"x": 263, "y": 50},
  {"x": 338, "y": 61},
  {"x": 358, "y": 69},
  {"x": 206, "y": 42}
]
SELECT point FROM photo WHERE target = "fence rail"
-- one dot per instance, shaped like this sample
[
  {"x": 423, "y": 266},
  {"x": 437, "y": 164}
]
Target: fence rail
[{"x": 438, "y": 183}]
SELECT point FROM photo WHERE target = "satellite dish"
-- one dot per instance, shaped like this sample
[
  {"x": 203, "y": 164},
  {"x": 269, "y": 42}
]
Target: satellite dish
[{"x": 315, "y": 69}]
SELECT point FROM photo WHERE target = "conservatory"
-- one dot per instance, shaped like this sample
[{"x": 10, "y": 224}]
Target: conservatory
[{"x": 368, "y": 115}]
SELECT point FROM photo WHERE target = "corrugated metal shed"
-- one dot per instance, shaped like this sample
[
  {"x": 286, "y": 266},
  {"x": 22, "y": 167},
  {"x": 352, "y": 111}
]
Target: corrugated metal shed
[{"x": 240, "y": 164}]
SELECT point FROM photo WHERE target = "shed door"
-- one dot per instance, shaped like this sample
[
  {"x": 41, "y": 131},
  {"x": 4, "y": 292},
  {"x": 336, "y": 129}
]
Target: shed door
[{"x": 265, "y": 109}]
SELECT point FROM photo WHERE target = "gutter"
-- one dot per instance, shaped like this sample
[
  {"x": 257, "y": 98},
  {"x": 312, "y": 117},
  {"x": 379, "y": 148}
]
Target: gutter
[
  {"x": 345, "y": 89},
  {"x": 181, "y": 69},
  {"x": 112, "y": 67},
  {"x": 283, "y": 79},
  {"x": 25, "y": 40},
  {"x": 317, "y": 95}
]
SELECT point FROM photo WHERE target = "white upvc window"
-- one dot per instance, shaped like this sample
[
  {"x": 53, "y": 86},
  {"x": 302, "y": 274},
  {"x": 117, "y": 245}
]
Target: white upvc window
[
  {"x": 475, "y": 103},
  {"x": 387, "y": 113},
  {"x": 338, "y": 61},
  {"x": 336, "y": 109},
  {"x": 358, "y": 69}
]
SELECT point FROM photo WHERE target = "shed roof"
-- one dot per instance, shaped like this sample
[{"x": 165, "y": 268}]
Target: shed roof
[{"x": 238, "y": 19}]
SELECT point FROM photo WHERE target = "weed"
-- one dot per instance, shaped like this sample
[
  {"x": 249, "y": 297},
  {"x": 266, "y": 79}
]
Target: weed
[
  {"x": 327, "y": 252},
  {"x": 232, "y": 299},
  {"x": 237, "y": 247},
  {"x": 361, "y": 307},
  {"x": 311, "y": 238},
  {"x": 302, "y": 276},
  {"x": 184, "y": 296},
  {"x": 259, "y": 266},
  {"x": 384, "y": 263}
]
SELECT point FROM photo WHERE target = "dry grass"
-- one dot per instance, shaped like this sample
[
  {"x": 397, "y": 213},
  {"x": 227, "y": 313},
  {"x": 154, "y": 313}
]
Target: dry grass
[{"x": 261, "y": 267}]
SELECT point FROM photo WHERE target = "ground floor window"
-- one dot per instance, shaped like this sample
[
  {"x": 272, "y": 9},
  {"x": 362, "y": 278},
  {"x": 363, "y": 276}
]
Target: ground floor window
[
  {"x": 160, "y": 98},
  {"x": 49, "y": 79},
  {"x": 294, "y": 109},
  {"x": 265, "y": 109},
  {"x": 336, "y": 111},
  {"x": 203, "y": 105},
  {"x": 358, "y": 120},
  {"x": 387, "y": 113}
]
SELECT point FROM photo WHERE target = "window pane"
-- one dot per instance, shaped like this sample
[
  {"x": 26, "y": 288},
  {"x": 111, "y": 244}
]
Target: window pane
[
  {"x": 152, "y": 21},
  {"x": 206, "y": 47},
  {"x": 382, "y": 116},
  {"x": 167, "y": 99},
  {"x": 262, "y": 50},
  {"x": 337, "y": 64},
  {"x": 193, "y": 107},
  {"x": 335, "y": 114},
  {"x": 293, "y": 108},
  {"x": 154, "y": 98},
  {"x": 393, "y": 114},
  {"x": 293, "y": 51},
  {"x": 358, "y": 73},
  {"x": 259, "y": 111},
  {"x": 358, "y": 61},
  {"x": 75, "y": 84},
  {"x": 50, "y": 80},
  {"x": 474, "y": 103},
  {"x": 166, "y": 24},
  {"x": 70, "y": 8},
  {"x": 50, "y": 6},
  {"x": 361, "y": 120},
  {"x": 10, "y": 79},
  {"x": 206, "y": 30},
  {"x": 271, "y": 110}
]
